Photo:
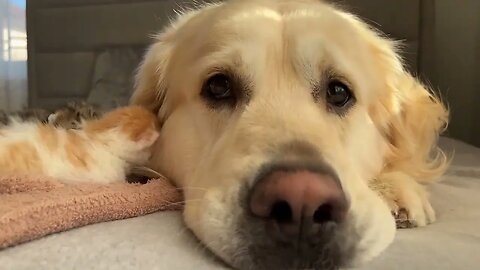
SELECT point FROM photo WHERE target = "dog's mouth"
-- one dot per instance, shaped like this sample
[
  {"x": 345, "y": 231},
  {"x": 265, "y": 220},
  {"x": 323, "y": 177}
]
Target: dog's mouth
[{"x": 325, "y": 250}]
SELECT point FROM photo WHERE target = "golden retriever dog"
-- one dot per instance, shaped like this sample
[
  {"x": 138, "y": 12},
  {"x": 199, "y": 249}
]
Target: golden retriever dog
[{"x": 294, "y": 130}]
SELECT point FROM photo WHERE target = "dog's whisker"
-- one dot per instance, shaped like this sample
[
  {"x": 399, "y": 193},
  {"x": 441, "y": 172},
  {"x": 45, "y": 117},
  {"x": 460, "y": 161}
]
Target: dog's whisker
[
  {"x": 182, "y": 231},
  {"x": 201, "y": 247},
  {"x": 185, "y": 229},
  {"x": 191, "y": 188},
  {"x": 182, "y": 202}
]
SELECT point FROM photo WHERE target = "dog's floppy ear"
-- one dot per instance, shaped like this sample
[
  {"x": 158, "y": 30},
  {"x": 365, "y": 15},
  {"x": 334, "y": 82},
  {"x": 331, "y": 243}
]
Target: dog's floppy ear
[
  {"x": 150, "y": 80},
  {"x": 414, "y": 128},
  {"x": 410, "y": 116}
]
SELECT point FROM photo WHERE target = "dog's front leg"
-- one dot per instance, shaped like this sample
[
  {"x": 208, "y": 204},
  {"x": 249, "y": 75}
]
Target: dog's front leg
[{"x": 408, "y": 200}]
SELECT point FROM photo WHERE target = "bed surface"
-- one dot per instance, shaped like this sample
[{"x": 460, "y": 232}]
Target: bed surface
[{"x": 159, "y": 241}]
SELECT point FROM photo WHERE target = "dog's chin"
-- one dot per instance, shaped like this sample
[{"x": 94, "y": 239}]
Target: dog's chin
[{"x": 223, "y": 225}]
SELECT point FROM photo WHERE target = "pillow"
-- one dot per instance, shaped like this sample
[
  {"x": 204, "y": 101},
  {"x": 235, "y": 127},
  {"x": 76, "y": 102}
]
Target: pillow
[{"x": 112, "y": 83}]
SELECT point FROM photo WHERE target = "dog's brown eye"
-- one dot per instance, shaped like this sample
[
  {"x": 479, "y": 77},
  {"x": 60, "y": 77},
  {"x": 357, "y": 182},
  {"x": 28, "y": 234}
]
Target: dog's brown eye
[
  {"x": 218, "y": 88},
  {"x": 338, "y": 94}
]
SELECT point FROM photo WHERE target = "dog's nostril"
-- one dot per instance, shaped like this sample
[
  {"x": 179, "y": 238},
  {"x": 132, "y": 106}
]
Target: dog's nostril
[
  {"x": 323, "y": 214},
  {"x": 281, "y": 212}
]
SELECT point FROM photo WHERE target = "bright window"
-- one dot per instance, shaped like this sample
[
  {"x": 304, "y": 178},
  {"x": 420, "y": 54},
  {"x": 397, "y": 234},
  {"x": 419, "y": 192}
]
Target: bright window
[{"x": 13, "y": 35}]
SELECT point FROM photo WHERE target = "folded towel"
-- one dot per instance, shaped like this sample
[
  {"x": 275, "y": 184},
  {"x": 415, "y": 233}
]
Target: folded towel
[{"x": 33, "y": 207}]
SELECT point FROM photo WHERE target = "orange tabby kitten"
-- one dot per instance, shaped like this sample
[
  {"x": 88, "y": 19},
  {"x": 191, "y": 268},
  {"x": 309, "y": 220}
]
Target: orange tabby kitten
[{"x": 101, "y": 151}]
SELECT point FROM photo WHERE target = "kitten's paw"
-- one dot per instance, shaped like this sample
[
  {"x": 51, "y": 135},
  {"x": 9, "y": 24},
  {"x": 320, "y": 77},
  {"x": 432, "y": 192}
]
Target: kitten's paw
[{"x": 407, "y": 199}]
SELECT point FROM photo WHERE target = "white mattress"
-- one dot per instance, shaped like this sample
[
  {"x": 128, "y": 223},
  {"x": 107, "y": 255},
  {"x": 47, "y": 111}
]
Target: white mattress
[{"x": 159, "y": 241}]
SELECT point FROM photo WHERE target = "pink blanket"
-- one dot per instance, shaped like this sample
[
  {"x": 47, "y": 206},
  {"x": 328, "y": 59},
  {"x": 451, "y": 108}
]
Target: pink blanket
[{"x": 31, "y": 207}]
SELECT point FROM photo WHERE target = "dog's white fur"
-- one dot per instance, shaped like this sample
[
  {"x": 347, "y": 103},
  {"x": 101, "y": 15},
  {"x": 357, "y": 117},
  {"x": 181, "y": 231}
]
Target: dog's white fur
[{"x": 381, "y": 149}]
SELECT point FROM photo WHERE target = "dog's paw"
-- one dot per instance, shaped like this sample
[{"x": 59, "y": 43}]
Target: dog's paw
[{"x": 407, "y": 199}]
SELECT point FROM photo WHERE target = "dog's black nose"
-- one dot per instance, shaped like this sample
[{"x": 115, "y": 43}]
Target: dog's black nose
[{"x": 297, "y": 203}]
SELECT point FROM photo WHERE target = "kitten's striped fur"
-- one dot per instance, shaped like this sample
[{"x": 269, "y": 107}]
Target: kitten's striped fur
[{"x": 102, "y": 150}]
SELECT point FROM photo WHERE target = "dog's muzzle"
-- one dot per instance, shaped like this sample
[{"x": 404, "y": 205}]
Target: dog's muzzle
[{"x": 295, "y": 215}]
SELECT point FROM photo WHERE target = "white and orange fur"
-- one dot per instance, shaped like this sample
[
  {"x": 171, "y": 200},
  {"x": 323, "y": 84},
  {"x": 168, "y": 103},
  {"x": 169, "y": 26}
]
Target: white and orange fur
[{"x": 102, "y": 151}]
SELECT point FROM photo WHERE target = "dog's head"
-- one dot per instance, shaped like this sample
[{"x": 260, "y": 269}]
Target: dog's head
[{"x": 275, "y": 115}]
